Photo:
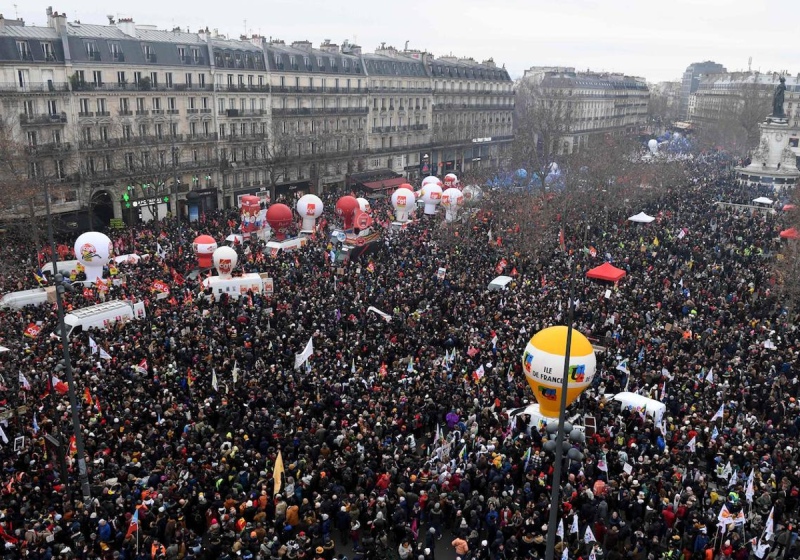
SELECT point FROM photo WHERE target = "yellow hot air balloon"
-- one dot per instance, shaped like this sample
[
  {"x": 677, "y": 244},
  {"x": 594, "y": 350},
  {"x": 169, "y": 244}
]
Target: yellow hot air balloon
[{"x": 543, "y": 363}]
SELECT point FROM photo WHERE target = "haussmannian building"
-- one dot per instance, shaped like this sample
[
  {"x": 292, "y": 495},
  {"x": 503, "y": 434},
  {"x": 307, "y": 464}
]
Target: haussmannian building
[{"x": 130, "y": 121}]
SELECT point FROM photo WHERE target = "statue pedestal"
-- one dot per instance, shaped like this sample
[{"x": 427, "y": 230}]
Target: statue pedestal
[{"x": 773, "y": 162}]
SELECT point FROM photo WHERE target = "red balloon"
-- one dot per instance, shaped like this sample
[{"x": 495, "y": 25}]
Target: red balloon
[
  {"x": 346, "y": 207},
  {"x": 406, "y": 186},
  {"x": 279, "y": 218},
  {"x": 363, "y": 220}
]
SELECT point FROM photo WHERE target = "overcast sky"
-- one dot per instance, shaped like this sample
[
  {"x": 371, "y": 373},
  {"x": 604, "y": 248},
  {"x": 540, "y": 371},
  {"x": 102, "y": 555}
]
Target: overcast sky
[{"x": 656, "y": 40}]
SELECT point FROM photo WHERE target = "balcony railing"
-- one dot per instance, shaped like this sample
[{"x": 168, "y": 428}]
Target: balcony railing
[
  {"x": 280, "y": 111},
  {"x": 125, "y": 113},
  {"x": 58, "y": 118},
  {"x": 14, "y": 87},
  {"x": 48, "y": 149}
]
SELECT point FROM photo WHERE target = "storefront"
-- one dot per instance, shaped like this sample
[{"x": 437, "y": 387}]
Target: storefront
[
  {"x": 377, "y": 180},
  {"x": 290, "y": 191},
  {"x": 146, "y": 209},
  {"x": 263, "y": 192},
  {"x": 200, "y": 202}
]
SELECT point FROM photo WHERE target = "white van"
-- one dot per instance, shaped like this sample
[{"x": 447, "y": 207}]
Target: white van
[
  {"x": 632, "y": 401},
  {"x": 66, "y": 266},
  {"x": 18, "y": 300},
  {"x": 500, "y": 283},
  {"x": 102, "y": 315},
  {"x": 238, "y": 286}
]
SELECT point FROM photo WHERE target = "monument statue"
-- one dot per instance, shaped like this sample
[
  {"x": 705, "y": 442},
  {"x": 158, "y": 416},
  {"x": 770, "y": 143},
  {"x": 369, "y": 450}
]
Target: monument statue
[{"x": 777, "y": 100}]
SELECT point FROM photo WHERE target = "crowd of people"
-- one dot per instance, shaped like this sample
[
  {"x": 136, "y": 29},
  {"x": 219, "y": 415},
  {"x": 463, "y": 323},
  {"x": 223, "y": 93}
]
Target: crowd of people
[{"x": 391, "y": 447}]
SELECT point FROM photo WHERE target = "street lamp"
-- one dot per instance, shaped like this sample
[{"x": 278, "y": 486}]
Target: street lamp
[
  {"x": 83, "y": 474},
  {"x": 559, "y": 446}
]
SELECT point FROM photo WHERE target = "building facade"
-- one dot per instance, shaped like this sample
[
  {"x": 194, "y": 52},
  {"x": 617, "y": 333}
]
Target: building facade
[
  {"x": 133, "y": 122},
  {"x": 690, "y": 81},
  {"x": 600, "y": 103}
]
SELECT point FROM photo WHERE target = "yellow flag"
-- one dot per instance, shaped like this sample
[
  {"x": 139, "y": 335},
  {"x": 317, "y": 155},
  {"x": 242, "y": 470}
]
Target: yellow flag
[
  {"x": 277, "y": 474},
  {"x": 656, "y": 242}
]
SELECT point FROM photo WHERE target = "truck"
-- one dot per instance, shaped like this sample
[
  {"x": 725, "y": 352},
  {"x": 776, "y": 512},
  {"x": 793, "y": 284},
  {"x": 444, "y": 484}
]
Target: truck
[
  {"x": 102, "y": 315},
  {"x": 238, "y": 286}
]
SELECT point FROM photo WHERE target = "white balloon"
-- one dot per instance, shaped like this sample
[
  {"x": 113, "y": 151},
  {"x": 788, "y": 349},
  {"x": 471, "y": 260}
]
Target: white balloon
[
  {"x": 452, "y": 200},
  {"x": 653, "y": 146},
  {"x": 94, "y": 251},
  {"x": 403, "y": 202},
  {"x": 431, "y": 196},
  {"x": 310, "y": 208},
  {"x": 225, "y": 260},
  {"x": 431, "y": 179},
  {"x": 363, "y": 204}
]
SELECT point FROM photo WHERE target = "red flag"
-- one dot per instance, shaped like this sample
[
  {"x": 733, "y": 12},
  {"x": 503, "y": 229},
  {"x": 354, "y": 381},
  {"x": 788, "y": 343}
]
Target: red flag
[
  {"x": 87, "y": 396},
  {"x": 177, "y": 278},
  {"x": 73, "y": 446},
  {"x": 134, "y": 526},
  {"x": 32, "y": 330},
  {"x": 97, "y": 404},
  {"x": 60, "y": 386},
  {"x": 514, "y": 271},
  {"x": 142, "y": 367},
  {"x": 561, "y": 242},
  {"x": 189, "y": 377}
]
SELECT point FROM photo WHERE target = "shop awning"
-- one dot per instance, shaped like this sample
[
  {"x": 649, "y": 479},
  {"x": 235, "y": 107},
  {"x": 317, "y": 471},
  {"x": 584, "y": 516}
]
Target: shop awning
[
  {"x": 606, "y": 271},
  {"x": 385, "y": 184}
]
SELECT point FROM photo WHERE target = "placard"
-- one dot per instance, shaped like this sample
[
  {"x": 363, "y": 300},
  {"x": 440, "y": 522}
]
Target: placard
[
  {"x": 19, "y": 443},
  {"x": 441, "y": 273},
  {"x": 627, "y": 467},
  {"x": 269, "y": 286}
]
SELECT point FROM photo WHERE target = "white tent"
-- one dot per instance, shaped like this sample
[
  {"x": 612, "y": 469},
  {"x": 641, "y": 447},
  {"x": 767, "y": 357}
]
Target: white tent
[
  {"x": 641, "y": 218},
  {"x": 762, "y": 200},
  {"x": 235, "y": 238},
  {"x": 651, "y": 407}
]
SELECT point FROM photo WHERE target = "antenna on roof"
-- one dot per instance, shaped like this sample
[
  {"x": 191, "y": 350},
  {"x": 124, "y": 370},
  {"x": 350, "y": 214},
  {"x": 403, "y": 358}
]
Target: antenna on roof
[
  {"x": 750, "y": 64},
  {"x": 16, "y": 15}
]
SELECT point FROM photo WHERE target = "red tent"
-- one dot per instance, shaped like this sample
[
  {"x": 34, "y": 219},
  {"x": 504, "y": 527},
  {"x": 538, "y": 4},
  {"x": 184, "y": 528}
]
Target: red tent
[
  {"x": 790, "y": 233},
  {"x": 606, "y": 271}
]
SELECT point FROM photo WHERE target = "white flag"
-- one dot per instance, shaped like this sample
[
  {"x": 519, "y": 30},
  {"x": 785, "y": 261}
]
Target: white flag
[
  {"x": 719, "y": 413},
  {"x": 592, "y": 555},
  {"x": 710, "y": 375},
  {"x": 24, "y": 382},
  {"x": 565, "y": 554},
  {"x": 494, "y": 342},
  {"x": 727, "y": 470},
  {"x": 623, "y": 366},
  {"x": 3, "y": 435},
  {"x": 602, "y": 465},
  {"x": 162, "y": 254},
  {"x": 574, "y": 528},
  {"x": 92, "y": 346},
  {"x": 588, "y": 536},
  {"x": 749, "y": 491},
  {"x": 769, "y": 528},
  {"x": 300, "y": 359},
  {"x": 353, "y": 367},
  {"x": 386, "y": 316},
  {"x": 214, "y": 383},
  {"x": 692, "y": 444},
  {"x": 104, "y": 355},
  {"x": 560, "y": 530},
  {"x": 235, "y": 371}
]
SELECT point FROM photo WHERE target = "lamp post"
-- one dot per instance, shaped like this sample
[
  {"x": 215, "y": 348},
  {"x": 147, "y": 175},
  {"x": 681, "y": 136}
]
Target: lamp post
[
  {"x": 558, "y": 446},
  {"x": 83, "y": 474}
]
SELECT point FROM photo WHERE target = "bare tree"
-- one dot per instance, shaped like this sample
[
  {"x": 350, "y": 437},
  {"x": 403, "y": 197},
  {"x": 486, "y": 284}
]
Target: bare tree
[
  {"x": 151, "y": 172},
  {"x": 543, "y": 119},
  {"x": 731, "y": 121}
]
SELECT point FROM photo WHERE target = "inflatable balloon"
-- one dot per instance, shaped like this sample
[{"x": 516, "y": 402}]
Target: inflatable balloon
[
  {"x": 346, "y": 208},
  {"x": 204, "y": 247},
  {"x": 250, "y": 208},
  {"x": 403, "y": 201},
  {"x": 472, "y": 193},
  {"x": 361, "y": 221},
  {"x": 279, "y": 218},
  {"x": 653, "y": 146},
  {"x": 431, "y": 196},
  {"x": 452, "y": 200},
  {"x": 450, "y": 180},
  {"x": 430, "y": 179},
  {"x": 522, "y": 174},
  {"x": 363, "y": 205},
  {"x": 225, "y": 260},
  {"x": 310, "y": 208},
  {"x": 543, "y": 364},
  {"x": 94, "y": 251}
]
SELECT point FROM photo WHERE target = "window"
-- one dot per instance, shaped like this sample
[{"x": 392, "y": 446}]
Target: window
[
  {"x": 84, "y": 105},
  {"x": 29, "y": 108},
  {"x": 188, "y": 79},
  {"x": 173, "y": 129},
  {"x": 192, "y": 103},
  {"x": 86, "y": 134},
  {"x": 52, "y": 107},
  {"x": 153, "y": 79},
  {"x": 221, "y": 103},
  {"x": 182, "y": 53},
  {"x": 137, "y": 78},
  {"x": 149, "y": 55},
  {"x": 129, "y": 161},
  {"x": 201, "y": 80},
  {"x": 60, "y": 169},
  {"x": 159, "y": 130},
  {"x": 104, "y": 133},
  {"x": 47, "y": 51},
  {"x": 156, "y": 103},
  {"x": 171, "y": 104},
  {"x": 101, "y": 106},
  {"x": 222, "y": 131},
  {"x": 127, "y": 133},
  {"x": 196, "y": 55},
  {"x": 32, "y": 139},
  {"x": 33, "y": 170},
  {"x": 116, "y": 51},
  {"x": 140, "y": 104},
  {"x": 168, "y": 79},
  {"x": 97, "y": 77},
  {"x": 143, "y": 130},
  {"x": 91, "y": 50},
  {"x": 121, "y": 78},
  {"x": 57, "y": 137}
]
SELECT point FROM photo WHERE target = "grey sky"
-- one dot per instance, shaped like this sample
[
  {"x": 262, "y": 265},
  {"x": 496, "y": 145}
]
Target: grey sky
[{"x": 656, "y": 40}]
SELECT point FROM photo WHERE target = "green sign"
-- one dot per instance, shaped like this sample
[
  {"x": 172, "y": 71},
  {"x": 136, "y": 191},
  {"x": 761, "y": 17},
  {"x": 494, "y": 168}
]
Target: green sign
[{"x": 116, "y": 223}]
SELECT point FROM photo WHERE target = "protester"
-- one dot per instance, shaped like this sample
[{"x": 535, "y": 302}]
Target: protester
[{"x": 387, "y": 438}]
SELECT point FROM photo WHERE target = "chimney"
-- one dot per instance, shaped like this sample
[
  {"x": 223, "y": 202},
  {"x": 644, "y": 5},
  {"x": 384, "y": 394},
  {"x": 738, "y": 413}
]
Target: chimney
[
  {"x": 127, "y": 26},
  {"x": 302, "y": 45},
  {"x": 329, "y": 47}
]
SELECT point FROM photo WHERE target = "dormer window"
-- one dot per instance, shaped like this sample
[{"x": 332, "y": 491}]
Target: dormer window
[{"x": 91, "y": 50}]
